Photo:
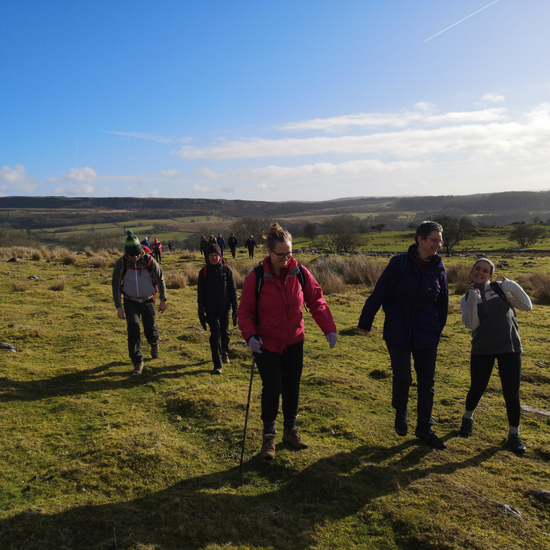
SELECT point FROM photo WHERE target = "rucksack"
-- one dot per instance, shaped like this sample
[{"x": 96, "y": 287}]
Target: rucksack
[
  {"x": 259, "y": 270},
  {"x": 147, "y": 266}
]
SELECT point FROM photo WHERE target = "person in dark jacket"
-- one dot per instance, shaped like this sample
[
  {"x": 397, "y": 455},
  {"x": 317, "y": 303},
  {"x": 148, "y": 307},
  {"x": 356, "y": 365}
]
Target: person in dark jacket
[
  {"x": 414, "y": 293},
  {"x": 232, "y": 242},
  {"x": 221, "y": 242},
  {"x": 216, "y": 295},
  {"x": 203, "y": 247},
  {"x": 488, "y": 311},
  {"x": 251, "y": 244},
  {"x": 136, "y": 276}
]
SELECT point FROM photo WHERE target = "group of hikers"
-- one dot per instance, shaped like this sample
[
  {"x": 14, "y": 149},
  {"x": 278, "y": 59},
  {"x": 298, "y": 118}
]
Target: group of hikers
[
  {"x": 232, "y": 242},
  {"x": 412, "y": 290}
]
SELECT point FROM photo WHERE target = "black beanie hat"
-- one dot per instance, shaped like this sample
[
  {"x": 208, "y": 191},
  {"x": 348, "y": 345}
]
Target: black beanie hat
[{"x": 213, "y": 248}]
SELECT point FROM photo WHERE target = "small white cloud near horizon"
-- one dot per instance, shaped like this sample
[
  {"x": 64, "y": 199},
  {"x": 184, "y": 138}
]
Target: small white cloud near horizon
[
  {"x": 84, "y": 189},
  {"x": 17, "y": 178},
  {"x": 87, "y": 175},
  {"x": 151, "y": 193},
  {"x": 202, "y": 189},
  {"x": 227, "y": 190},
  {"x": 151, "y": 137},
  {"x": 206, "y": 172},
  {"x": 493, "y": 98},
  {"x": 265, "y": 187}
]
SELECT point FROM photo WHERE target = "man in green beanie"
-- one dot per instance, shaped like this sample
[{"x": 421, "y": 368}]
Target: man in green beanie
[{"x": 137, "y": 276}]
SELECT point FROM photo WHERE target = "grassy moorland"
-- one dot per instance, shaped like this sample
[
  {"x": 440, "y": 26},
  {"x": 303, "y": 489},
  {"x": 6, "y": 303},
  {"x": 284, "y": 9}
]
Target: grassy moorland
[{"x": 93, "y": 458}]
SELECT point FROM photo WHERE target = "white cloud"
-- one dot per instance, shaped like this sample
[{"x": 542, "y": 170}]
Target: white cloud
[
  {"x": 151, "y": 137},
  {"x": 526, "y": 135},
  {"x": 227, "y": 190},
  {"x": 206, "y": 173},
  {"x": 201, "y": 189},
  {"x": 86, "y": 174},
  {"x": 16, "y": 179},
  {"x": 493, "y": 98},
  {"x": 84, "y": 189}
]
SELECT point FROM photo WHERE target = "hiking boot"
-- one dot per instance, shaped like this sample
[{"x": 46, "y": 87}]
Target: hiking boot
[
  {"x": 292, "y": 437},
  {"x": 155, "y": 351},
  {"x": 217, "y": 370},
  {"x": 268, "y": 447},
  {"x": 225, "y": 359},
  {"x": 401, "y": 427},
  {"x": 138, "y": 368},
  {"x": 467, "y": 428},
  {"x": 516, "y": 444},
  {"x": 430, "y": 439}
]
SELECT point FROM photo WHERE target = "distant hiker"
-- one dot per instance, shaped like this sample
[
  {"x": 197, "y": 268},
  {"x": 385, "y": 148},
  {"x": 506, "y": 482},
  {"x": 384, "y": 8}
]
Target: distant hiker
[
  {"x": 170, "y": 245},
  {"x": 203, "y": 247},
  {"x": 216, "y": 295},
  {"x": 157, "y": 251},
  {"x": 251, "y": 244},
  {"x": 488, "y": 310},
  {"x": 136, "y": 276},
  {"x": 414, "y": 294},
  {"x": 271, "y": 322},
  {"x": 232, "y": 242},
  {"x": 145, "y": 242},
  {"x": 221, "y": 242}
]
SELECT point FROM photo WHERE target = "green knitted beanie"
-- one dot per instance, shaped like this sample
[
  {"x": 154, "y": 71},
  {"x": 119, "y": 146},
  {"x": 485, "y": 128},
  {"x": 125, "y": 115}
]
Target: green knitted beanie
[{"x": 132, "y": 245}]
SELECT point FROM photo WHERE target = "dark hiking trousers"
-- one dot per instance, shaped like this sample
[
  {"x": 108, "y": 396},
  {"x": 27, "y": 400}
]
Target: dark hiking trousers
[
  {"x": 219, "y": 336},
  {"x": 424, "y": 365},
  {"x": 509, "y": 368},
  {"x": 280, "y": 374},
  {"x": 147, "y": 310}
]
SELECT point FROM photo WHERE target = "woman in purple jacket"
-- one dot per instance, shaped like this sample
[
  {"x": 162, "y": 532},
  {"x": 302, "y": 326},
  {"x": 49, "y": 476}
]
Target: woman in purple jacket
[{"x": 414, "y": 294}]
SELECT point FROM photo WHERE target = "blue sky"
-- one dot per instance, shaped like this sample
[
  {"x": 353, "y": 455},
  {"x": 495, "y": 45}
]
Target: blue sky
[{"x": 274, "y": 100}]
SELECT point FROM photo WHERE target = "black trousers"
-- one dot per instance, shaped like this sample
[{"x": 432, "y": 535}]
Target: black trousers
[
  {"x": 219, "y": 336},
  {"x": 280, "y": 374},
  {"x": 233, "y": 250},
  {"x": 147, "y": 311},
  {"x": 509, "y": 368},
  {"x": 424, "y": 365}
]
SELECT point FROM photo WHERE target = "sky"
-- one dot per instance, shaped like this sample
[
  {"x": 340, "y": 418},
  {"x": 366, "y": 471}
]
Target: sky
[{"x": 274, "y": 100}]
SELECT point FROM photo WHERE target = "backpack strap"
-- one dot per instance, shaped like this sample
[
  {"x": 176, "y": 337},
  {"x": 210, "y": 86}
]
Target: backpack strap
[{"x": 498, "y": 290}]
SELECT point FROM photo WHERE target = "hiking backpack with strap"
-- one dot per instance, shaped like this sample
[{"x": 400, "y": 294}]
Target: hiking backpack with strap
[{"x": 125, "y": 267}]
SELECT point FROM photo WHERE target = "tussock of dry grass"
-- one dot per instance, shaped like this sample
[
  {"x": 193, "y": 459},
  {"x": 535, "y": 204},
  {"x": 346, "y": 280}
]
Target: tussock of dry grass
[
  {"x": 19, "y": 287},
  {"x": 460, "y": 277},
  {"x": 99, "y": 262},
  {"x": 192, "y": 274},
  {"x": 188, "y": 255},
  {"x": 349, "y": 270},
  {"x": 58, "y": 285},
  {"x": 537, "y": 285},
  {"x": 89, "y": 252},
  {"x": 176, "y": 279}
]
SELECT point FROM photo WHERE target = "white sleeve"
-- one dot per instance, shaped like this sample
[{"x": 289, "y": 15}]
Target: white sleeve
[
  {"x": 468, "y": 305},
  {"x": 516, "y": 295}
]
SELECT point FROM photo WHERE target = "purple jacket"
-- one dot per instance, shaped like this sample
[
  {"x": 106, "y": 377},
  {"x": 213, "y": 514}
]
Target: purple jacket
[{"x": 415, "y": 301}]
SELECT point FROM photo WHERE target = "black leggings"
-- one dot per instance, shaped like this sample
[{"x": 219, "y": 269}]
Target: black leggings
[
  {"x": 280, "y": 374},
  {"x": 509, "y": 368}
]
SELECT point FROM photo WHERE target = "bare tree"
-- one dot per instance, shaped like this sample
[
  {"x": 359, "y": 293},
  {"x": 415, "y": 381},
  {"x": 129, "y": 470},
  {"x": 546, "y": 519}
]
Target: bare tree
[
  {"x": 251, "y": 225},
  {"x": 455, "y": 230},
  {"x": 526, "y": 234},
  {"x": 310, "y": 230},
  {"x": 343, "y": 233}
]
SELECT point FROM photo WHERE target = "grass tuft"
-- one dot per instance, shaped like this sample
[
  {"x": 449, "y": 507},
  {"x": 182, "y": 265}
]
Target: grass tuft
[{"x": 58, "y": 285}]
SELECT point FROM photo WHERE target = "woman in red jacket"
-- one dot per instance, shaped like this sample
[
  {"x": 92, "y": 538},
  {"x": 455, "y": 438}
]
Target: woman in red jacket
[{"x": 271, "y": 322}]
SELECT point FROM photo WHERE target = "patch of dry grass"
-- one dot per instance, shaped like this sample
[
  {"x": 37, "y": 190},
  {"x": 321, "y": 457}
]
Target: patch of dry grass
[
  {"x": 176, "y": 279},
  {"x": 460, "y": 276},
  {"x": 537, "y": 285},
  {"x": 58, "y": 285},
  {"x": 99, "y": 262},
  {"x": 19, "y": 286}
]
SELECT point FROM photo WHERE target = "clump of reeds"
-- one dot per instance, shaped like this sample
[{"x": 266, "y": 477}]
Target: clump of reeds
[
  {"x": 58, "y": 285},
  {"x": 188, "y": 255},
  {"x": 36, "y": 255},
  {"x": 351, "y": 270},
  {"x": 68, "y": 259},
  {"x": 19, "y": 286},
  {"x": 89, "y": 252},
  {"x": 192, "y": 274}
]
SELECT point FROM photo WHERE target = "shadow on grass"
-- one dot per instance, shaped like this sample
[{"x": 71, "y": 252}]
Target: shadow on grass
[
  {"x": 229, "y": 510},
  {"x": 92, "y": 380}
]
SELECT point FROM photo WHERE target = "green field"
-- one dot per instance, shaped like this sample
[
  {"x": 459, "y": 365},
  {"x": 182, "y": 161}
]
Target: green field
[{"x": 93, "y": 458}]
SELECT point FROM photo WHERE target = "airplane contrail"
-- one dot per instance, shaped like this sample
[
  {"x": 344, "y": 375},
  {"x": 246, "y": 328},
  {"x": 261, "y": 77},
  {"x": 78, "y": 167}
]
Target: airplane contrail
[{"x": 460, "y": 21}]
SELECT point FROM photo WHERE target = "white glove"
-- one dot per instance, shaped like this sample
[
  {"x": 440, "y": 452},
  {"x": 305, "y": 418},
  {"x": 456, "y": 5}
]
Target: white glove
[
  {"x": 331, "y": 339},
  {"x": 255, "y": 343}
]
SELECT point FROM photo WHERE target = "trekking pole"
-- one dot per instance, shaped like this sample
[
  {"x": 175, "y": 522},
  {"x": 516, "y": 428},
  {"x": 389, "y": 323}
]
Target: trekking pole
[{"x": 247, "y": 409}]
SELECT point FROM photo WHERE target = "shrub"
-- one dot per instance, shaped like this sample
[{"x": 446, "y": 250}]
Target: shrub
[{"x": 58, "y": 285}]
